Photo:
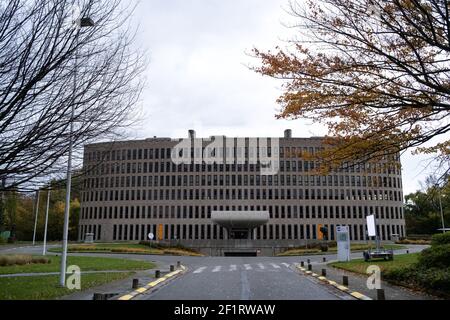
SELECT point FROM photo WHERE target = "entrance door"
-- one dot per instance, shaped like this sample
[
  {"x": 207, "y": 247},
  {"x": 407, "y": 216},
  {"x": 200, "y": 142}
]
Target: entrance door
[{"x": 239, "y": 234}]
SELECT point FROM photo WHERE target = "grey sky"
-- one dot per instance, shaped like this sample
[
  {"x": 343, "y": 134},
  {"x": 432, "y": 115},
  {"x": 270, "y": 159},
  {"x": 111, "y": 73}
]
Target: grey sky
[{"x": 198, "y": 78}]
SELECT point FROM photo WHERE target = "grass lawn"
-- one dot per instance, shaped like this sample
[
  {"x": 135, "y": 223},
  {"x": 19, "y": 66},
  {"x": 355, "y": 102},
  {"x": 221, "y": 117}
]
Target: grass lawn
[
  {"x": 354, "y": 247},
  {"x": 46, "y": 287},
  {"x": 360, "y": 266},
  {"x": 132, "y": 248},
  {"x": 85, "y": 263}
]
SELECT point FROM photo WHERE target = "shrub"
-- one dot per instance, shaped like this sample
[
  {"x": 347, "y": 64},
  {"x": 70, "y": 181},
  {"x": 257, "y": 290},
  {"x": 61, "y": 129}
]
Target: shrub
[
  {"x": 435, "y": 257},
  {"x": 413, "y": 241},
  {"x": 20, "y": 260},
  {"x": 440, "y": 239}
]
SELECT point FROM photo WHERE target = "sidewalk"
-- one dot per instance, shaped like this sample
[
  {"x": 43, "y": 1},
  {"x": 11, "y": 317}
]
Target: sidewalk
[{"x": 358, "y": 283}]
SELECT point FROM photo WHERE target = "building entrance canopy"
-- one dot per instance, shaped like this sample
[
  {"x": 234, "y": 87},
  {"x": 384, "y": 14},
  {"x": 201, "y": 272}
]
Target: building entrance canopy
[{"x": 240, "y": 219}]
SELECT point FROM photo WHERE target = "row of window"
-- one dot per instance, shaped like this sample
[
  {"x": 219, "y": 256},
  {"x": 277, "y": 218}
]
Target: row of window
[
  {"x": 241, "y": 194},
  {"x": 169, "y": 167},
  {"x": 204, "y": 212},
  {"x": 247, "y": 150},
  {"x": 241, "y": 180},
  {"x": 214, "y": 232}
]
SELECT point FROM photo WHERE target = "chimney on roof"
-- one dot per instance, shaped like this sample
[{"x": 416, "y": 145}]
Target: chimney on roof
[
  {"x": 191, "y": 134},
  {"x": 288, "y": 133}
]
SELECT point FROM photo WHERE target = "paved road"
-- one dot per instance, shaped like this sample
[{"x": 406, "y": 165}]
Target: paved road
[
  {"x": 244, "y": 279},
  {"x": 236, "y": 278}
]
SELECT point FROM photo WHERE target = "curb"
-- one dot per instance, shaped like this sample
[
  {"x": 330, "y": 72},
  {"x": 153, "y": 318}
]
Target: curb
[
  {"x": 342, "y": 288},
  {"x": 151, "y": 285}
]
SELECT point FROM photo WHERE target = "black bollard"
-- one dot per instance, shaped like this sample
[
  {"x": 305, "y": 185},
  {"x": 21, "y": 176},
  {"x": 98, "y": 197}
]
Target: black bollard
[
  {"x": 380, "y": 294},
  {"x": 345, "y": 280},
  {"x": 172, "y": 268},
  {"x": 324, "y": 272},
  {"x": 135, "y": 284},
  {"x": 99, "y": 296},
  {"x": 324, "y": 259},
  {"x": 309, "y": 267},
  {"x": 178, "y": 264},
  {"x": 157, "y": 274},
  {"x": 302, "y": 264}
]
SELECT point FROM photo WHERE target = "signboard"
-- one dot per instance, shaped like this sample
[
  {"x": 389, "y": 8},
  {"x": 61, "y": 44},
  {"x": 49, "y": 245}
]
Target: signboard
[
  {"x": 343, "y": 243},
  {"x": 151, "y": 236},
  {"x": 371, "y": 230},
  {"x": 160, "y": 232},
  {"x": 319, "y": 232}
]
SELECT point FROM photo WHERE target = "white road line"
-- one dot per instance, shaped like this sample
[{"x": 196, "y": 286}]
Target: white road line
[
  {"x": 275, "y": 266},
  {"x": 247, "y": 267},
  {"x": 200, "y": 270},
  {"x": 217, "y": 268},
  {"x": 260, "y": 265},
  {"x": 233, "y": 267},
  {"x": 287, "y": 265}
]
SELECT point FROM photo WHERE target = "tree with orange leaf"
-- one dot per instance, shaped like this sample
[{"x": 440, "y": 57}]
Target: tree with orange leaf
[{"x": 376, "y": 73}]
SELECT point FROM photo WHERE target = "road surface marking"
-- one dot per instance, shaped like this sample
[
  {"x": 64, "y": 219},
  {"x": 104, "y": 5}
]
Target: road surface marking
[
  {"x": 286, "y": 264},
  {"x": 217, "y": 268},
  {"x": 247, "y": 267},
  {"x": 233, "y": 267},
  {"x": 275, "y": 266},
  {"x": 260, "y": 265},
  {"x": 200, "y": 270}
]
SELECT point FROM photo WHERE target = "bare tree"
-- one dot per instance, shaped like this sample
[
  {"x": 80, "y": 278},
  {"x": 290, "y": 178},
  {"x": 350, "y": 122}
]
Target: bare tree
[{"x": 48, "y": 66}]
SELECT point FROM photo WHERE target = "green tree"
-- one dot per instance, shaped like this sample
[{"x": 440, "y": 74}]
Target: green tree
[{"x": 422, "y": 209}]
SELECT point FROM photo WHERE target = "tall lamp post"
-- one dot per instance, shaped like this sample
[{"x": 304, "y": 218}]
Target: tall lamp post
[
  {"x": 442, "y": 212},
  {"x": 84, "y": 22}
]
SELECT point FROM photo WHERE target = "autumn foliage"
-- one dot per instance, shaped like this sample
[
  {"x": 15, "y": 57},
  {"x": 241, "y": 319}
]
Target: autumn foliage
[{"x": 376, "y": 73}]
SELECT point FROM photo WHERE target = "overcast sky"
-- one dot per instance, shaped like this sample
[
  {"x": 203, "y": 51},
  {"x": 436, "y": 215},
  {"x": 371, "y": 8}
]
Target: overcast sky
[{"x": 198, "y": 76}]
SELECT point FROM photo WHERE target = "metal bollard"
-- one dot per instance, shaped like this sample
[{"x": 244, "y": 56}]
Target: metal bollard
[
  {"x": 302, "y": 264},
  {"x": 309, "y": 261},
  {"x": 407, "y": 251},
  {"x": 99, "y": 296},
  {"x": 135, "y": 284},
  {"x": 324, "y": 259},
  {"x": 345, "y": 280},
  {"x": 380, "y": 294},
  {"x": 172, "y": 268},
  {"x": 178, "y": 264},
  {"x": 157, "y": 274},
  {"x": 324, "y": 272},
  {"x": 309, "y": 267}
]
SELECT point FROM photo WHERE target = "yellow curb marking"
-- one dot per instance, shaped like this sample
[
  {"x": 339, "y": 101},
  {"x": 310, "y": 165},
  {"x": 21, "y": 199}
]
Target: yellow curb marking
[
  {"x": 332, "y": 283},
  {"x": 357, "y": 295},
  {"x": 342, "y": 288},
  {"x": 315, "y": 275},
  {"x": 131, "y": 295},
  {"x": 322, "y": 278}
]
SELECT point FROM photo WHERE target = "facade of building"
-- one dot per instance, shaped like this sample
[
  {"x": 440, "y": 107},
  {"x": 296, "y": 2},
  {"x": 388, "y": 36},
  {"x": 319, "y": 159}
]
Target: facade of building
[{"x": 168, "y": 187}]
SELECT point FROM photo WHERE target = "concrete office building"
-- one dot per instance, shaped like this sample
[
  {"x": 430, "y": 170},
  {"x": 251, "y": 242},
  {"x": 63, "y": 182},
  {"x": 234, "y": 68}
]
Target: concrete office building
[{"x": 207, "y": 194}]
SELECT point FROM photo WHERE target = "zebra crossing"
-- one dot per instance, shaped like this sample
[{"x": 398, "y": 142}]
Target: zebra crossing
[{"x": 269, "y": 266}]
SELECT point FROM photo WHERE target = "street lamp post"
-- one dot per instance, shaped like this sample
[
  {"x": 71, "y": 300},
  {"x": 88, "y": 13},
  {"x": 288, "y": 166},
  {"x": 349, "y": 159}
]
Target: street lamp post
[
  {"x": 44, "y": 249},
  {"x": 36, "y": 216},
  {"x": 442, "y": 212},
  {"x": 80, "y": 23}
]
